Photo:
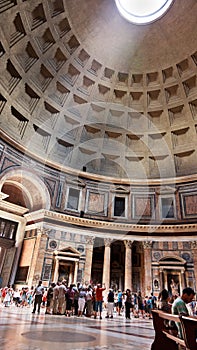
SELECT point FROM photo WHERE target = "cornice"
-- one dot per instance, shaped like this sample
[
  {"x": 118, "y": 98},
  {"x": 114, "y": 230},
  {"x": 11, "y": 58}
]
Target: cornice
[
  {"x": 116, "y": 227},
  {"x": 12, "y": 208}
]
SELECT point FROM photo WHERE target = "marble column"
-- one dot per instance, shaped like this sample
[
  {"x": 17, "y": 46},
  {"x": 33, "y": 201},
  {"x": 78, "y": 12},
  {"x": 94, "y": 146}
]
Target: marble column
[
  {"x": 88, "y": 261},
  {"x": 161, "y": 279},
  {"x": 75, "y": 272},
  {"x": 194, "y": 251},
  {"x": 183, "y": 285},
  {"x": 128, "y": 265},
  {"x": 147, "y": 288},
  {"x": 106, "y": 264},
  {"x": 56, "y": 273},
  {"x": 2, "y": 257}
]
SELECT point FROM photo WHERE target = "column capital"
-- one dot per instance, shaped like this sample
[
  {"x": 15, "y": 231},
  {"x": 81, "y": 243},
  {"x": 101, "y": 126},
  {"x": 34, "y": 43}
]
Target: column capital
[
  {"x": 43, "y": 232},
  {"x": 128, "y": 244},
  {"x": 90, "y": 239},
  {"x": 108, "y": 242},
  {"x": 147, "y": 244},
  {"x": 194, "y": 244}
]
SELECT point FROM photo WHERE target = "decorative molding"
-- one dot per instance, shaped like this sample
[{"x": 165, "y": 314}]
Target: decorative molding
[{"x": 121, "y": 227}]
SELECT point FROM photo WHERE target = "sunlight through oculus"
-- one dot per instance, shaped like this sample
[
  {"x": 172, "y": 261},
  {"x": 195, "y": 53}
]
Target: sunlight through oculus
[{"x": 142, "y": 11}]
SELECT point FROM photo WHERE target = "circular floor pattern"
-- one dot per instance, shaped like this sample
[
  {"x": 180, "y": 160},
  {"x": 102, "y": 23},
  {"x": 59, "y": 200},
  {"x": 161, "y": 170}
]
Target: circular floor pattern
[{"x": 60, "y": 336}]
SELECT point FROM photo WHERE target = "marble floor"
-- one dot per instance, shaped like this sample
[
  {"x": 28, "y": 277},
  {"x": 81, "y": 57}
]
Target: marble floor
[{"x": 22, "y": 330}]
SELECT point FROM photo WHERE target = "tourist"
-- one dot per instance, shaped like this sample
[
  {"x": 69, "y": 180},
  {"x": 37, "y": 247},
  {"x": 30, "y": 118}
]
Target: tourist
[
  {"x": 154, "y": 301},
  {"x": 24, "y": 301},
  {"x": 99, "y": 300},
  {"x": 62, "y": 298},
  {"x": 141, "y": 306},
  {"x": 38, "y": 294},
  {"x": 128, "y": 300},
  {"x": 81, "y": 301},
  {"x": 119, "y": 302},
  {"x": 149, "y": 307},
  {"x": 164, "y": 299},
  {"x": 7, "y": 298},
  {"x": 55, "y": 298},
  {"x": 89, "y": 302},
  {"x": 70, "y": 295},
  {"x": 17, "y": 297},
  {"x": 110, "y": 303},
  {"x": 49, "y": 304},
  {"x": 179, "y": 306}
]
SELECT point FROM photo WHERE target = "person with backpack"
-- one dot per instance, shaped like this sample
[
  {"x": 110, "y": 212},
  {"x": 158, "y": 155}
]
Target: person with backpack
[
  {"x": 141, "y": 306},
  {"x": 154, "y": 301}
]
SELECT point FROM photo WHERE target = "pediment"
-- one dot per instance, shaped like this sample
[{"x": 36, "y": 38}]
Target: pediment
[
  {"x": 121, "y": 189},
  {"x": 68, "y": 251}
]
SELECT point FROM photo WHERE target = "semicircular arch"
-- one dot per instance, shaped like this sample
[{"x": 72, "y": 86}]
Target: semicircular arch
[
  {"x": 170, "y": 258},
  {"x": 26, "y": 187}
]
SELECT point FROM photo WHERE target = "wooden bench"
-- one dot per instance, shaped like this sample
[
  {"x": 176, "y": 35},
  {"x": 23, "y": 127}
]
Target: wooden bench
[
  {"x": 166, "y": 335},
  {"x": 189, "y": 327}
]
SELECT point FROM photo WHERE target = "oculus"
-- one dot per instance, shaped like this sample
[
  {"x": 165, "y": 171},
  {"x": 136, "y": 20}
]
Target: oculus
[{"x": 142, "y": 11}]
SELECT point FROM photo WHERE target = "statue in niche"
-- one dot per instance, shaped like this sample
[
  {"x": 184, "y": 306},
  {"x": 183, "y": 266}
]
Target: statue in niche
[
  {"x": 156, "y": 284},
  {"x": 174, "y": 286}
]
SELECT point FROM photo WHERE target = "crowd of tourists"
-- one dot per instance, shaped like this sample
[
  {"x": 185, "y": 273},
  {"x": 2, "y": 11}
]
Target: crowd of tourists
[
  {"x": 13, "y": 296},
  {"x": 79, "y": 300},
  {"x": 90, "y": 301}
]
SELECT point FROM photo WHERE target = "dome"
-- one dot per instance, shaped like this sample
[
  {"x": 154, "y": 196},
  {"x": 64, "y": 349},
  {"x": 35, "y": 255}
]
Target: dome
[{"x": 96, "y": 93}]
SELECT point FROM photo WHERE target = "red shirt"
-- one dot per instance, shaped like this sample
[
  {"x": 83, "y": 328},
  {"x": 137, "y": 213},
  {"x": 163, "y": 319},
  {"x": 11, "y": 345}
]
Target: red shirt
[{"x": 99, "y": 296}]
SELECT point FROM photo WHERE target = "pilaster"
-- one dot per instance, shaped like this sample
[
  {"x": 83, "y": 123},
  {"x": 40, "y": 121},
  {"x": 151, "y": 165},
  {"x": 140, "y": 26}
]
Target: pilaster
[
  {"x": 147, "y": 245},
  {"x": 88, "y": 261}
]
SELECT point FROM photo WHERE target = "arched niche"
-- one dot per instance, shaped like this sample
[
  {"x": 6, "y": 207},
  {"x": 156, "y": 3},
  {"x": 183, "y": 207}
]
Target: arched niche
[{"x": 25, "y": 189}]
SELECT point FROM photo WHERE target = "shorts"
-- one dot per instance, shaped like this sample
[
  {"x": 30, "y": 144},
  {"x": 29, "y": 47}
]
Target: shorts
[
  {"x": 69, "y": 304},
  {"x": 119, "y": 304},
  {"x": 98, "y": 306},
  {"x": 141, "y": 307}
]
